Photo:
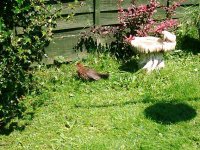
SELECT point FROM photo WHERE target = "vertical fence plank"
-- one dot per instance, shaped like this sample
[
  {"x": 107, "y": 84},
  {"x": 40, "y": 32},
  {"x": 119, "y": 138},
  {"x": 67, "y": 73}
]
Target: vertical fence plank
[
  {"x": 167, "y": 14},
  {"x": 96, "y": 12}
]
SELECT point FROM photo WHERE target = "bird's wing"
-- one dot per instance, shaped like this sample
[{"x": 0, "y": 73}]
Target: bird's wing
[{"x": 93, "y": 74}]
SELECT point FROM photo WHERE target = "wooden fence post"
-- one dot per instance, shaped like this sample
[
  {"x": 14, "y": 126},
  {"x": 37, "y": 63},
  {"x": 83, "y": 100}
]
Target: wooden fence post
[
  {"x": 167, "y": 13},
  {"x": 96, "y": 12}
]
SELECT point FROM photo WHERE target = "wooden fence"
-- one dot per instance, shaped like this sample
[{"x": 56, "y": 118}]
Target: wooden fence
[{"x": 89, "y": 13}]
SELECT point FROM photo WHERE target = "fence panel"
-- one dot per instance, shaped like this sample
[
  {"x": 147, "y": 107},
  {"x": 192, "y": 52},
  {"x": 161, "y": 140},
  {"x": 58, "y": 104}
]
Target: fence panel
[{"x": 90, "y": 13}]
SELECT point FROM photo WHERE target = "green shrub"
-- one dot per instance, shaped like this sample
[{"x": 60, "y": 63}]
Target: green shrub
[
  {"x": 189, "y": 30},
  {"x": 190, "y": 21},
  {"x": 19, "y": 50}
]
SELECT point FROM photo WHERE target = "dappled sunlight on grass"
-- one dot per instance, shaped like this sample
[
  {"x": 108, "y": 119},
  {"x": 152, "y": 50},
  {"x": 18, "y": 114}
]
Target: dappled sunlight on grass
[{"x": 132, "y": 110}]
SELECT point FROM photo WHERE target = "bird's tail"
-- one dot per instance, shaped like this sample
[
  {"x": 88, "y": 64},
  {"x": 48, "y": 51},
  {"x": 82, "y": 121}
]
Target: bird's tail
[{"x": 103, "y": 75}]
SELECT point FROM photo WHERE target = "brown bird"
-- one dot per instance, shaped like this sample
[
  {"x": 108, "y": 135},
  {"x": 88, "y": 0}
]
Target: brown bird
[{"x": 89, "y": 74}]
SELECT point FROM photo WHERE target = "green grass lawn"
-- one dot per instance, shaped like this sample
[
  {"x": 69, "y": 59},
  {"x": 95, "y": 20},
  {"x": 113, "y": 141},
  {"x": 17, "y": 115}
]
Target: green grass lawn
[{"x": 130, "y": 110}]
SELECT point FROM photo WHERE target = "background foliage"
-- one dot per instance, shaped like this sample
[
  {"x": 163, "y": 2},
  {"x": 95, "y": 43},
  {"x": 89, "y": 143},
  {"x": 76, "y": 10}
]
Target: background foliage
[
  {"x": 191, "y": 18},
  {"x": 19, "y": 51},
  {"x": 134, "y": 20},
  {"x": 188, "y": 32}
]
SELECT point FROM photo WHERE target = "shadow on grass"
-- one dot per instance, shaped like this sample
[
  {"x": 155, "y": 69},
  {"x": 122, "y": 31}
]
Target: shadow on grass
[
  {"x": 13, "y": 126},
  {"x": 170, "y": 113},
  {"x": 189, "y": 44},
  {"x": 130, "y": 66},
  {"x": 163, "y": 112},
  {"x": 131, "y": 102},
  {"x": 6, "y": 128},
  {"x": 120, "y": 104}
]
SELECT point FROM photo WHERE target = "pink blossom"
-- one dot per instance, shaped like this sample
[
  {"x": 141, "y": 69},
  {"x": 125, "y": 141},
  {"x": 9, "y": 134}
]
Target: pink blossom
[
  {"x": 129, "y": 39},
  {"x": 138, "y": 20},
  {"x": 166, "y": 25}
]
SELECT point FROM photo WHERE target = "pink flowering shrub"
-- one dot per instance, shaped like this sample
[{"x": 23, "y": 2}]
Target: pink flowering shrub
[
  {"x": 139, "y": 20},
  {"x": 134, "y": 21}
]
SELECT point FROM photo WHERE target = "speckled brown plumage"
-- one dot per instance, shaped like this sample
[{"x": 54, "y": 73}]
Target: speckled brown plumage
[{"x": 89, "y": 74}]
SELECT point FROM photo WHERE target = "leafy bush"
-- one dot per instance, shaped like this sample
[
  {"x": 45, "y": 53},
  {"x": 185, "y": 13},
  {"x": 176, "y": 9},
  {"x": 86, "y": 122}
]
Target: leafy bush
[
  {"x": 18, "y": 50},
  {"x": 190, "y": 19},
  {"x": 188, "y": 32},
  {"x": 140, "y": 21},
  {"x": 134, "y": 21}
]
